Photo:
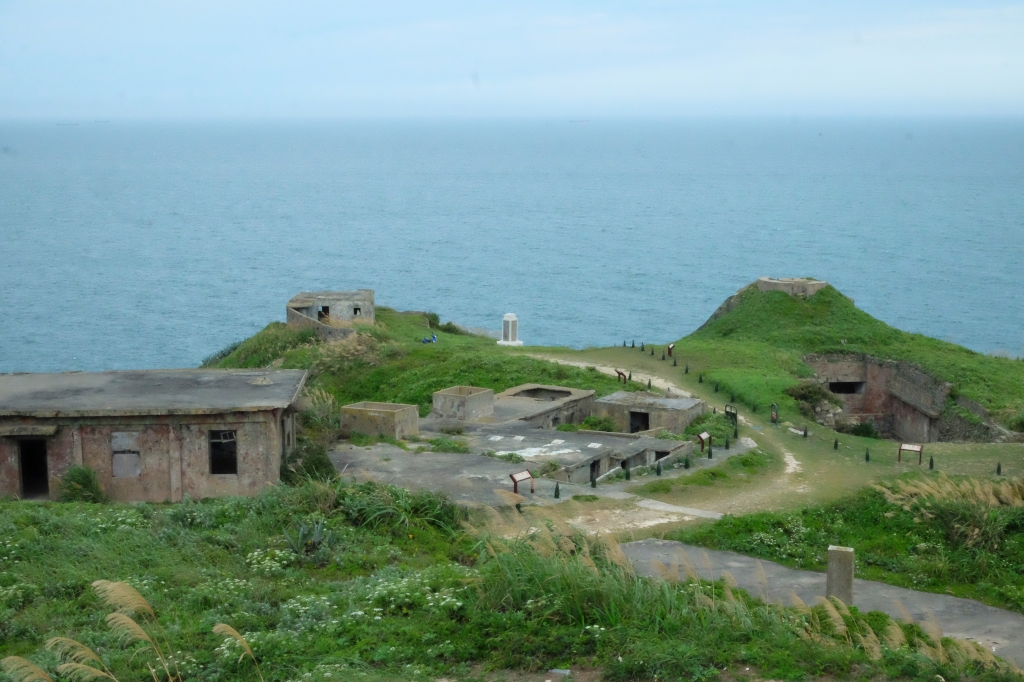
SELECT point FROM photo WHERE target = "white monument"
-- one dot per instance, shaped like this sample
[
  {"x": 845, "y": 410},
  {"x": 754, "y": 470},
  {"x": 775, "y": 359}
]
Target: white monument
[{"x": 510, "y": 331}]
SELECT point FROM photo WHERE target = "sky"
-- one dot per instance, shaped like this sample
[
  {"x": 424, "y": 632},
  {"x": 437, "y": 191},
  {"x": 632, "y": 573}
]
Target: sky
[{"x": 188, "y": 59}]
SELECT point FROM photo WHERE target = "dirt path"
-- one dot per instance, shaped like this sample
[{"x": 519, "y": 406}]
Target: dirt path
[{"x": 656, "y": 381}]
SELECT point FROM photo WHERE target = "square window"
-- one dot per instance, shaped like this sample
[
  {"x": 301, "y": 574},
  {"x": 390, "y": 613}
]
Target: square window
[
  {"x": 223, "y": 452},
  {"x": 126, "y": 460}
]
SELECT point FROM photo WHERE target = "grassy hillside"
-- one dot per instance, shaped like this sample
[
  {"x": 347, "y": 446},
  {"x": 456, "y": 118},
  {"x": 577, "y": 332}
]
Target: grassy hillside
[
  {"x": 755, "y": 351},
  {"x": 389, "y": 362}
]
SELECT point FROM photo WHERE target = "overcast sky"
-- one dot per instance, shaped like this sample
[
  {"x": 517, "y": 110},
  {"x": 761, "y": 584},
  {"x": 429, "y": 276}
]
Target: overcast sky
[{"x": 253, "y": 59}]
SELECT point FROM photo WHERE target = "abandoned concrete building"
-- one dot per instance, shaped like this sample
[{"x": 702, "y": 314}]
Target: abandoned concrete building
[
  {"x": 896, "y": 397},
  {"x": 544, "y": 407},
  {"x": 149, "y": 435},
  {"x": 319, "y": 309},
  {"x": 463, "y": 403},
  {"x": 639, "y": 411}
]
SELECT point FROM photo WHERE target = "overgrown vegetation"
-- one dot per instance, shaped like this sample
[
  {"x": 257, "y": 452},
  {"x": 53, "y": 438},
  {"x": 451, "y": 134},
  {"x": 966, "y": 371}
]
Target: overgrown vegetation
[
  {"x": 927, "y": 532},
  {"x": 747, "y": 464},
  {"x": 755, "y": 351},
  {"x": 592, "y": 423},
  {"x": 79, "y": 484},
  {"x": 326, "y": 581}
]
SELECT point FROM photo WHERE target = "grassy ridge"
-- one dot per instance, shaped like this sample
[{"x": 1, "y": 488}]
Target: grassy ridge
[
  {"x": 389, "y": 362},
  {"x": 755, "y": 350}
]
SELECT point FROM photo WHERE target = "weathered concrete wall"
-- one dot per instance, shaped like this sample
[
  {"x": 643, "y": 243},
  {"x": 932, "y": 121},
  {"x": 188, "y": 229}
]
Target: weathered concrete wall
[
  {"x": 802, "y": 288},
  {"x": 673, "y": 414},
  {"x": 610, "y": 462},
  {"x": 380, "y": 419},
  {"x": 174, "y": 454},
  {"x": 570, "y": 412},
  {"x": 342, "y": 305},
  {"x": 463, "y": 402}
]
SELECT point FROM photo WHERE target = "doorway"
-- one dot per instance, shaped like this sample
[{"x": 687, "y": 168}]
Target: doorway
[
  {"x": 35, "y": 480},
  {"x": 639, "y": 421}
]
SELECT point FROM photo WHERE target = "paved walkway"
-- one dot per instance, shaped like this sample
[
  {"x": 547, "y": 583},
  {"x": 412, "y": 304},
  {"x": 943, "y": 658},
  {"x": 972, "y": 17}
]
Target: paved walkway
[{"x": 1000, "y": 630}]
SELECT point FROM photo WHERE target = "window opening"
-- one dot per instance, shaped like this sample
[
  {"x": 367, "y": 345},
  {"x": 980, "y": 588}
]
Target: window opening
[
  {"x": 356, "y": 311},
  {"x": 223, "y": 452},
  {"x": 846, "y": 387},
  {"x": 323, "y": 313},
  {"x": 660, "y": 454},
  {"x": 35, "y": 479},
  {"x": 639, "y": 421}
]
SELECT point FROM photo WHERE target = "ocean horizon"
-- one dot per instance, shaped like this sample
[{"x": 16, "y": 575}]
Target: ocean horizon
[{"x": 144, "y": 245}]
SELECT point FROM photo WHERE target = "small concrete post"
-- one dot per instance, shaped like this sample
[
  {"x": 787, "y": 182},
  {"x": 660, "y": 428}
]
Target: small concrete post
[
  {"x": 510, "y": 331},
  {"x": 839, "y": 580}
]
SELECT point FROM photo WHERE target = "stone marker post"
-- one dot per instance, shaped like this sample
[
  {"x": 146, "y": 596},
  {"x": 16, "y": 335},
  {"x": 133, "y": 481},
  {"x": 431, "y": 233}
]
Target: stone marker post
[{"x": 839, "y": 580}]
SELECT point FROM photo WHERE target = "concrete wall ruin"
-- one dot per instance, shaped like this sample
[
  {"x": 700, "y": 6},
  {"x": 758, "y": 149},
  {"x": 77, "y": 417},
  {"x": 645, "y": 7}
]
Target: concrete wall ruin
[
  {"x": 314, "y": 309},
  {"x": 463, "y": 403},
  {"x": 380, "y": 419},
  {"x": 673, "y": 414}
]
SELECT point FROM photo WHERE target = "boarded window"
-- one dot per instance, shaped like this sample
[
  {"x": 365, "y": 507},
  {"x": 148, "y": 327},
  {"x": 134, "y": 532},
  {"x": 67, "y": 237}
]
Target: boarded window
[
  {"x": 223, "y": 452},
  {"x": 127, "y": 460}
]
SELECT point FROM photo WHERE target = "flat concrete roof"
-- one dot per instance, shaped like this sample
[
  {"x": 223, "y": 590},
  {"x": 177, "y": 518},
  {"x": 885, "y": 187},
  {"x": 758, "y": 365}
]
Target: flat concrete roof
[
  {"x": 308, "y": 298},
  {"x": 148, "y": 392},
  {"x": 649, "y": 400}
]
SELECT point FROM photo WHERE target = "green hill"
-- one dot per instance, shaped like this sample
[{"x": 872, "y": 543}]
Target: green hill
[{"x": 755, "y": 349}]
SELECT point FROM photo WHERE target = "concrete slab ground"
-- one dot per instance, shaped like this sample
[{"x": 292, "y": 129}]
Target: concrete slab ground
[{"x": 1000, "y": 630}]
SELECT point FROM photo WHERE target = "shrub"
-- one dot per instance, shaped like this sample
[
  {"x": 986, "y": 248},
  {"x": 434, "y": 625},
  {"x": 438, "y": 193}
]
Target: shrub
[
  {"x": 506, "y": 457},
  {"x": 308, "y": 459},
  {"x": 1017, "y": 423},
  {"x": 593, "y": 423},
  {"x": 812, "y": 393},
  {"x": 449, "y": 445},
  {"x": 80, "y": 484},
  {"x": 865, "y": 430},
  {"x": 718, "y": 425}
]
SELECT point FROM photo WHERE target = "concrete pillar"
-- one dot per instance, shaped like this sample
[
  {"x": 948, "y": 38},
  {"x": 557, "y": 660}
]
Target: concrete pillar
[
  {"x": 839, "y": 580},
  {"x": 174, "y": 461}
]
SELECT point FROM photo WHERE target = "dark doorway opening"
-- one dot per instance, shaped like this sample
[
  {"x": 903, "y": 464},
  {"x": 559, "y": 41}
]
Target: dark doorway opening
[
  {"x": 639, "y": 421},
  {"x": 356, "y": 311},
  {"x": 660, "y": 454},
  {"x": 35, "y": 479},
  {"x": 846, "y": 386},
  {"x": 555, "y": 421},
  {"x": 323, "y": 313},
  {"x": 223, "y": 452}
]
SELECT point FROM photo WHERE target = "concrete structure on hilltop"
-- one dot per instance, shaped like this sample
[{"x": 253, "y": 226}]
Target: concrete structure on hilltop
[
  {"x": 510, "y": 331},
  {"x": 392, "y": 420},
  {"x": 463, "y": 403},
  {"x": 638, "y": 411},
  {"x": 322, "y": 310},
  {"x": 149, "y": 435},
  {"x": 801, "y": 287}
]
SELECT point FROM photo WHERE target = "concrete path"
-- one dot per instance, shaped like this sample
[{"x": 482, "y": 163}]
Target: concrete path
[{"x": 1000, "y": 630}]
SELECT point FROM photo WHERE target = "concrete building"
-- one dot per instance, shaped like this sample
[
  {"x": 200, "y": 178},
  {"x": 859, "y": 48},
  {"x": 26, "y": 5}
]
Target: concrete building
[
  {"x": 638, "y": 411},
  {"x": 543, "y": 406},
  {"x": 801, "y": 287},
  {"x": 320, "y": 310},
  {"x": 463, "y": 403},
  {"x": 380, "y": 419},
  {"x": 149, "y": 435}
]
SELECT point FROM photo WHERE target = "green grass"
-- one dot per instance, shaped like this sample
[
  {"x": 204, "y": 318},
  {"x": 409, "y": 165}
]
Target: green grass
[
  {"x": 389, "y": 363},
  {"x": 748, "y": 464},
  {"x": 922, "y": 547},
  {"x": 755, "y": 351},
  {"x": 398, "y": 592}
]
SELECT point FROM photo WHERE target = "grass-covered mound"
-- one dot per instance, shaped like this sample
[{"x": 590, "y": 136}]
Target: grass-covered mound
[
  {"x": 926, "y": 532},
  {"x": 388, "y": 361},
  {"x": 754, "y": 351},
  {"x": 335, "y": 580}
]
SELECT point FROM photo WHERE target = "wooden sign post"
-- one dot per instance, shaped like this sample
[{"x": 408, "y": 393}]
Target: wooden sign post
[{"x": 519, "y": 478}]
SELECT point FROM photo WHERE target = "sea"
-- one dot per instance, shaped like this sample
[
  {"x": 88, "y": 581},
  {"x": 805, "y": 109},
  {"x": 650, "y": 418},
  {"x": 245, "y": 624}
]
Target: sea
[{"x": 154, "y": 244}]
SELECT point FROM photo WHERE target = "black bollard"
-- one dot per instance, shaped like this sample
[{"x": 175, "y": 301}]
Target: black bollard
[
  {"x": 686, "y": 462},
  {"x": 674, "y": 363},
  {"x": 657, "y": 470},
  {"x": 727, "y": 442},
  {"x": 686, "y": 370},
  {"x": 835, "y": 446},
  {"x": 732, "y": 397},
  {"x": 999, "y": 468},
  {"x": 632, "y": 344},
  {"x": 931, "y": 463},
  {"x": 623, "y": 343},
  {"x": 641, "y": 345},
  {"x": 735, "y": 430},
  {"x": 709, "y": 450},
  {"x": 867, "y": 454},
  {"x": 652, "y": 351},
  {"x": 648, "y": 384},
  {"x": 663, "y": 356},
  {"x": 627, "y": 471},
  {"x": 805, "y": 432},
  {"x": 714, "y": 410},
  {"x": 716, "y": 387},
  {"x": 558, "y": 493},
  {"x": 519, "y": 507},
  {"x": 700, "y": 378},
  {"x": 630, "y": 376},
  {"x": 593, "y": 480}
]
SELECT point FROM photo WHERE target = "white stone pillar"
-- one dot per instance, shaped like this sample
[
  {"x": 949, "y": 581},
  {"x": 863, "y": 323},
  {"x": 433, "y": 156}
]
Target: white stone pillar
[
  {"x": 839, "y": 580},
  {"x": 510, "y": 331}
]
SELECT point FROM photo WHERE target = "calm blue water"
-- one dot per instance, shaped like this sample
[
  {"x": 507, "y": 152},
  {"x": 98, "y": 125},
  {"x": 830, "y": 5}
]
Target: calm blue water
[{"x": 153, "y": 245}]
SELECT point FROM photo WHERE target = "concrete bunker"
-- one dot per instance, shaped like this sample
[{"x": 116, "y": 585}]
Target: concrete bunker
[
  {"x": 392, "y": 420},
  {"x": 640, "y": 411},
  {"x": 463, "y": 403},
  {"x": 897, "y": 398},
  {"x": 329, "y": 311},
  {"x": 149, "y": 435}
]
